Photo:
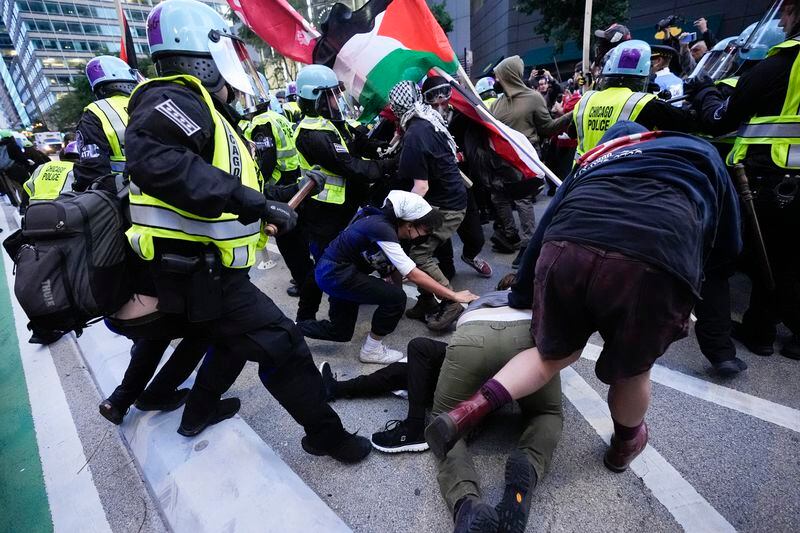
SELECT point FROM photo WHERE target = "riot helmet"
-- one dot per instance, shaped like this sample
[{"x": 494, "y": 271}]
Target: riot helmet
[
  {"x": 109, "y": 75},
  {"x": 319, "y": 93},
  {"x": 627, "y": 65}
]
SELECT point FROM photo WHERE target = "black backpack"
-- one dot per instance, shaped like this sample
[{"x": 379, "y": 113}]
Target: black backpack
[{"x": 71, "y": 260}]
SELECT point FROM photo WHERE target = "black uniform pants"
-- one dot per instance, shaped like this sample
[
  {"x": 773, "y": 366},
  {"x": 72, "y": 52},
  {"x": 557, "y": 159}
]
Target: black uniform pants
[
  {"x": 351, "y": 289},
  {"x": 418, "y": 376},
  {"x": 713, "y": 311},
  {"x": 471, "y": 234},
  {"x": 310, "y": 293},
  {"x": 294, "y": 249}
]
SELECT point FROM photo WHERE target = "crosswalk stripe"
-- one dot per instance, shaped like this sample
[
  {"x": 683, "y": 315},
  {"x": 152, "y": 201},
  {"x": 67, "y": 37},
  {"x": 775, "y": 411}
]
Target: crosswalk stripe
[
  {"x": 742, "y": 402},
  {"x": 683, "y": 502}
]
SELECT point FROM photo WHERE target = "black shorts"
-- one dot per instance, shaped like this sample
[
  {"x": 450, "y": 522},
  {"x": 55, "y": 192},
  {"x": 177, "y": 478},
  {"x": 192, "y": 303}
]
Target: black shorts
[{"x": 638, "y": 308}]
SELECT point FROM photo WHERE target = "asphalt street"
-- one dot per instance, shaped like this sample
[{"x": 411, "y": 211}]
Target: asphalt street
[{"x": 741, "y": 466}]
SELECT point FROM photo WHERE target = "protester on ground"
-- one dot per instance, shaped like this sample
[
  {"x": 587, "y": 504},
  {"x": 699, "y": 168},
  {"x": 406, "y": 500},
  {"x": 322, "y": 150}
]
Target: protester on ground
[
  {"x": 372, "y": 243},
  {"x": 642, "y": 217},
  {"x": 185, "y": 157},
  {"x": 428, "y": 166}
]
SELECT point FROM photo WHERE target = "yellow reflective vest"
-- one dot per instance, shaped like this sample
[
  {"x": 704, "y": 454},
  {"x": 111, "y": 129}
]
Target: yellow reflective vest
[
  {"x": 113, "y": 115},
  {"x": 284, "y": 139},
  {"x": 151, "y": 217},
  {"x": 335, "y": 185},
  {"x": 597, "y": 111},
  {"x": 49, "y": 181},
  {"x": 489, "y": 101},
  {"x": 782, "y": 132},
  {"x": 292, "y": 112}
]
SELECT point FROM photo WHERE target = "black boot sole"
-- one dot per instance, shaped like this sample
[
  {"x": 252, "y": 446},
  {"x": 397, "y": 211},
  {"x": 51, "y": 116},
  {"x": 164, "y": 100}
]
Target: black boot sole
[
  {"x": 110, "y": 413},
  {"x": 164, "y": 406},
  {"x": 515, "y": 506},
  {"x": 441, "y": 435},
  {"x": 221, "y": 412},
  {"x": 484, "y": 520}
]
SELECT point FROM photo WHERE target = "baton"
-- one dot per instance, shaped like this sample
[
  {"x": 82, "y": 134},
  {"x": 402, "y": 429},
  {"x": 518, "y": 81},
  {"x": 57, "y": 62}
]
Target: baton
[
  {"x": 299, "y": 196},
  {"x": 747, "y": 198}
]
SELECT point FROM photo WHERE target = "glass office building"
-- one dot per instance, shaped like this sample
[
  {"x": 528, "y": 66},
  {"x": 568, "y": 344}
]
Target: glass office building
[{"x": 45, "y": 44}]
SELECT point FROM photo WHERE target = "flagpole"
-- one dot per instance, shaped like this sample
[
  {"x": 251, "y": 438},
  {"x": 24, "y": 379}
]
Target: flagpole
[
  {"x": 485, "y": 115},
  {"x": 587, "y": 31}
]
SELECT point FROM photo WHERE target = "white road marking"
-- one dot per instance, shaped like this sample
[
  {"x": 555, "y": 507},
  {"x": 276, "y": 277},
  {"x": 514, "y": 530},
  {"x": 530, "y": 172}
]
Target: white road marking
[
  {"x": 683, "y": 502},
  {"x": 74, "y": 502},
  {"x": 742, "y": 402}
]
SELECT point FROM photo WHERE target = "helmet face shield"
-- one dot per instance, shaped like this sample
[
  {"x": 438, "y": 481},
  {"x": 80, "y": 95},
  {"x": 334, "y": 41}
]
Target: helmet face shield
[
  {"x": 332, "y": 103},
  {"x": 234, "y": 64},
  {"x": 719, "y": 63},
  {"x": 772, "y": 29}
]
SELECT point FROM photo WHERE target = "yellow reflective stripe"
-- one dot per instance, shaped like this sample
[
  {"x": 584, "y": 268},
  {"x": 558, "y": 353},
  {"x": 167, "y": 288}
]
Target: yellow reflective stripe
[
  {"x": 217, "y": 230},
  {"x": 783, "y": 130},
  {"x": 630, "y": 106},
  {"x": 578, "y": 118},
  {"x": 113, "y": 117}
]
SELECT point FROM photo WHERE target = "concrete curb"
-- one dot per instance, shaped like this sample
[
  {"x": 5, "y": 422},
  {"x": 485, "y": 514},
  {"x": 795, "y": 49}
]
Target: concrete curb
[{"x": 226, "y": 479}]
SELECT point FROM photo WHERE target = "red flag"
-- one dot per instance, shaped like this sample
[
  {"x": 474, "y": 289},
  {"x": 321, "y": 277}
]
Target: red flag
[
  {"x": 127, "y": 51},
  {"x": 283, "y": 28}
]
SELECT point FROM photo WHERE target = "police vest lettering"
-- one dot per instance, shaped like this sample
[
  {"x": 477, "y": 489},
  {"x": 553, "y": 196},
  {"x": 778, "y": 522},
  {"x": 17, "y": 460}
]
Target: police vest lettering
[
  {"x": 335, "y": 185},
  {"x": 782, "y": 132},
  {"x": 153, "y": 218},
  {"x": 49, "y": 181},
  {"x": 597, "y": 111},
  {"x": 112, "y": 113}
]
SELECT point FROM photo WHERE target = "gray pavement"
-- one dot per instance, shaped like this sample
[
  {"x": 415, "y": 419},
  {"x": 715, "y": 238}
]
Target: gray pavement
[{"x": 745, "y": 468}]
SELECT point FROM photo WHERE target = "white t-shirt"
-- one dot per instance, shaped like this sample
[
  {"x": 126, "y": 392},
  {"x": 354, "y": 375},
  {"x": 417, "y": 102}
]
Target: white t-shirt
[{"x": 395, "y": 254}]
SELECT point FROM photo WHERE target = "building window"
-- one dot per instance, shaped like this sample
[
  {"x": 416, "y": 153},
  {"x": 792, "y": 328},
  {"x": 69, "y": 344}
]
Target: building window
[{"x": 52, "y": 8}]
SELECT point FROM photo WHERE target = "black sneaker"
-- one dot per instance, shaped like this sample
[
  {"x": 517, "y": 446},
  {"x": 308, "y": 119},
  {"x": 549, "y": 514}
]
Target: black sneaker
[
  {"x": 293, "y": 291},
  {"x": 328, "y": 381},
  {"x": 513, "y": 509},
  {"x": 224, "y": 410},
  {"x": 396, "y": 438},
  {"x": 147, "y": 402},
  {"x": 475, "y": 516},
  {"x": 352, "y": 449},
  {"x": 791, "y": 348},
  {"x": 729, "y": 368},
  {"x": 111, "y": 412},
  {"x": 756, "y": 346}
]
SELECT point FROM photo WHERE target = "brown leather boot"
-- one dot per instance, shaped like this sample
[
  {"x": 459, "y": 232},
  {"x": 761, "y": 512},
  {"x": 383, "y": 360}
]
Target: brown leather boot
[
  {"x": 447, "y": 428},
  {"x": 621, "y": 453}
]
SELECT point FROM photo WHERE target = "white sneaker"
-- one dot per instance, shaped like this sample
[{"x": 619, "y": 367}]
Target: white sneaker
[{"x": 379, "y": 354}]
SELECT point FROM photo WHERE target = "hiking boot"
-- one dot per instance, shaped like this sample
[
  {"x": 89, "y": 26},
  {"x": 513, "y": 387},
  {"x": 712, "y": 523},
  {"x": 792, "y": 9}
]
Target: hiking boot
[
  {"x": 397, "y": 436},
  {"x": 378, "y": 354},
  {"x": 149, "y": 402},
  {"x": 480, "y": 265},
  {"x": 729, "y": 368},
  {"x": 426, "y": 305},
  {"x": 475, "y": 516},
  {"x": 760, "y": 347},
  {"x": 223, "y": 410},
  {"x": 791, "y": 348},
  {"x": 111, "y": 412},
  {"x": 621, "y": 453},
  {"x": 328, "y": 381},
  {"x": 352, "y": 449},
  {"x": 513, "y": 509},
  {"x": 447, "y": 315},
  {"x": 447, "y": 428}
]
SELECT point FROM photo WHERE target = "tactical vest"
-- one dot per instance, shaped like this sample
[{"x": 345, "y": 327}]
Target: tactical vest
[
  {"x": 597, "y": 111},
  {"x": 284, "y": 139},
  {"x": 113, "y": 115},
  {"x": 151, "y": 217},
  {"x": 782, "y": 132},
  {"x": 49, "y": 181},
  {"x": 335, "y": 185}
]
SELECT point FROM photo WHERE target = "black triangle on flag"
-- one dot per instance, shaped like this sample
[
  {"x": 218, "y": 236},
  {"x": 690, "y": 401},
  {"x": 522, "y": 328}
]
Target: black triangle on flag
[
  {"x": 127, "y": 50},
  {"x": 341, "y": 24}
]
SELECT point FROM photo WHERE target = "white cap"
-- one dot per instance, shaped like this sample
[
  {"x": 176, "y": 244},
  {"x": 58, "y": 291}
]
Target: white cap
[{"x": 408, "y": 206}]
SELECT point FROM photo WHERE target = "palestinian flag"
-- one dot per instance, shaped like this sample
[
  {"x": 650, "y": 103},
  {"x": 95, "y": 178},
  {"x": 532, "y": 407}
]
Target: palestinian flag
[
  {"x": 127, "y": 51},
  {"x": 382, "y": 43}
]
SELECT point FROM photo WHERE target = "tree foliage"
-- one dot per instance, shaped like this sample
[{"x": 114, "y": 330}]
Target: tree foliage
[
  {"x": 67, "y": 110},
  {"x": 562, "y": 21},
  {"x": 441, "y": 15}
]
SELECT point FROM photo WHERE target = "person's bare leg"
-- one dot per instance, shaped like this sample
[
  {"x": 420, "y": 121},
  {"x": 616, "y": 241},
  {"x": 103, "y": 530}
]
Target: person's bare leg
[
  {"x": 527, "y": 372},
  {"x": 629, "y": 399}
]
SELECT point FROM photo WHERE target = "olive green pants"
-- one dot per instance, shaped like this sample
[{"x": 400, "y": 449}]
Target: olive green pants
[{"x": 476, "y": 352}]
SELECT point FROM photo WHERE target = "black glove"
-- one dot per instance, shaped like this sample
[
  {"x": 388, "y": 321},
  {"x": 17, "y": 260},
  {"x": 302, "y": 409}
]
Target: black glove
[
  {"x": 693, "y": 86},
  {"x": 280, "y": 215},
  {"x": 389, "y": 166},
  {"x": 317, "y": 177}
]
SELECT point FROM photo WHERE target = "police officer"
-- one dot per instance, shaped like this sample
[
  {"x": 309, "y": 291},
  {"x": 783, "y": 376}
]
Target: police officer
[
  {"x": 622, "y": 96},
  {"x": 485, "y": 88},
  {"x": 323, "y": 139},
  {"x": 763, "y": 108},
  {"x": 273, "y": 136},
  {"x": 291, "y": 108},
  {"x": 53, "y": 178},
  {"x": 196, "y": 208},
  {"x": 101, "y": 130}
]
